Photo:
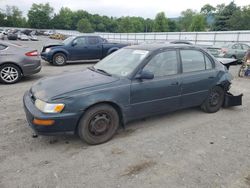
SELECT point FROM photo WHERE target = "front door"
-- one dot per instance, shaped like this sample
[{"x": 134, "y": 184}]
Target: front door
[
  {"x": 78, "y": 50},
  {"x": 160, "y": 94}
]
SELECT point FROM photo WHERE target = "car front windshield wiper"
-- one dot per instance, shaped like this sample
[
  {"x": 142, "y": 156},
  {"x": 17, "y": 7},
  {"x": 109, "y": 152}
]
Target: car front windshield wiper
[{"x": 100, "y": 71}]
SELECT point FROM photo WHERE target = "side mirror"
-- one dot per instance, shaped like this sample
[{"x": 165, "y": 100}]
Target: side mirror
[
  {"x": 74, "y": 43},
  {"x": 145, "y": 74}
]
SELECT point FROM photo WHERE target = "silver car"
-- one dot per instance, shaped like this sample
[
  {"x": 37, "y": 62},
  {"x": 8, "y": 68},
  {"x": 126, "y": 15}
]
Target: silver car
[{"x": 16, "y": 62}]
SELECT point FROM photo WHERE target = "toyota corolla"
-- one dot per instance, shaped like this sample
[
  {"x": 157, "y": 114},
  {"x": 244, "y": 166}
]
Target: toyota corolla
[{"x": 132, "y": 83}]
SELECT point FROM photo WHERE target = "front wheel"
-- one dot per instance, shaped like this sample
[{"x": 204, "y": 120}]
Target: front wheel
[
  {"x": 59, "y": 59},
  {"x": 99, "y": 124},
  {"x": 214, "y": 100},
  {"x": 10, "y": 74}
]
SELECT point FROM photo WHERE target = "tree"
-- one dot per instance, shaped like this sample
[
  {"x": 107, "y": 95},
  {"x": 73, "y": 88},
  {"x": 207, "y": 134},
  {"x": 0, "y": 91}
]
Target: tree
[
  {"x": 207, "y": 9},
  {"x": 223, "y": 15},
  {"x": 160, "y": 23},
  {"x": 173, "y": 26},
  {"x": 40, "y": 16},
  {"x": 240, "y": 20},
  {"x": 63, "y": 20},
  {"x": 186, "y": 19},
  {"x": 198, "y": 23},
  {"x": 13, "y": 17},
  {"x": 84, "y": 26}
]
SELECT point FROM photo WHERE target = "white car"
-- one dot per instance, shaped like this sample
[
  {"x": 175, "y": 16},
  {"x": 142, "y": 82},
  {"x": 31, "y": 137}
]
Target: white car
[
  {"x": 33, "y": 38},
  {"x": 24, "y": 37},
  {"x": 1, "y": 35}
]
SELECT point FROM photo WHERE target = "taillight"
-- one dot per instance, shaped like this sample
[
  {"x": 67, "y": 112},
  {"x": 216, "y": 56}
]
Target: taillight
[
  {"x": 32, "y": 53},
  {"x": 224, "y": 50}
]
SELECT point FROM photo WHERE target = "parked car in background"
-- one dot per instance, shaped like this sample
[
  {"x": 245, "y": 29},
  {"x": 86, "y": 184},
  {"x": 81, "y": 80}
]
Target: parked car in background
[
  {"x": 2, "y": 36},
  {"x": 16, "y": 62},
  {"x": 132, "y": 83},
  {"x": 230, "y": 50},
  {"x": 50, "y": 32},
  {"x": 24, "y": 37},
  {"x": 12, "y": 36},
  {"x": 89, "y": 48},
  {"x": 33, "y": 38},
  {"x": 57, "y": 36}
]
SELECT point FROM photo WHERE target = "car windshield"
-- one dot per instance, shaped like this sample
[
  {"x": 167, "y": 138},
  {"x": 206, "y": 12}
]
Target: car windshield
[
  {"x": 122, "y": 62},
  {"x": 68, "y": 40}
]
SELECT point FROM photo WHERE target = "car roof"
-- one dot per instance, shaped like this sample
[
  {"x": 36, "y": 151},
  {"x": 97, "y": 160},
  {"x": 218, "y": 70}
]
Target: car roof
[{"x": 154, "y": 47}]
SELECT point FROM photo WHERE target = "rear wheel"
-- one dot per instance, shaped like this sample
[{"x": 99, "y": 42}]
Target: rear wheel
[
  {"x": 214, "y": 100},
  {"x": 59, "y": 59},
  {"x": 10, "y": 74},
  {"x": 98, "y": 124}
]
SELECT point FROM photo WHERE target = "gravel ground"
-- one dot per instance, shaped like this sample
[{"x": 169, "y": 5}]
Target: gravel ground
[{"x": 187, "y": 148}]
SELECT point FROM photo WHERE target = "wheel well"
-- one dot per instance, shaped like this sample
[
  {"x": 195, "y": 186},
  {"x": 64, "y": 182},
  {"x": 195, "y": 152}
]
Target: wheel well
[
  {"x": 225, "y": 85},
  {"x": 61, "y": 53},
  {"x": 5, "y": 63},
  {"x": 114, "y": 105}
]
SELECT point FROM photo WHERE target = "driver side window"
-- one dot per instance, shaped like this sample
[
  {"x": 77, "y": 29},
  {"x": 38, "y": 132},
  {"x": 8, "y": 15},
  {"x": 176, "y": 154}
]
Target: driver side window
[
  {"x": 163, "y": 64},
  {"x": 80, "y": 41}
]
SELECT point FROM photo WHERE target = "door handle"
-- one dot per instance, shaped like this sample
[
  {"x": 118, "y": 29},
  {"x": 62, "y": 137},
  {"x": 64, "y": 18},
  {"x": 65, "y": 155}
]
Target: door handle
[
  {"x": 211, "y": 77},
  {"x": 175, "y": 83}
]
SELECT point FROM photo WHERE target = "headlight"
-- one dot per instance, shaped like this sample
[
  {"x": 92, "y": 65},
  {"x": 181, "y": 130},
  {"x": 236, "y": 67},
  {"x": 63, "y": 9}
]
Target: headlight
[
  {"x": 47, "y": 107},
  {"x": 47, "y": 50}
]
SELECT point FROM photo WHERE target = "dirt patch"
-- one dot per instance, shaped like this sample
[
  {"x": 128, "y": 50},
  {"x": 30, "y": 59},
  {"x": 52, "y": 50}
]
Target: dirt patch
[
  {"x": 247, "y": 180},
  {"x": 117, "y": 151},
  {"x": 138, "y": 168}
]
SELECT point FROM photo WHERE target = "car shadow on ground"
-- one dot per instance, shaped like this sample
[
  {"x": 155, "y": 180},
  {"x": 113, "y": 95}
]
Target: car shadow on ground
[{"x": 125, "y": 132}]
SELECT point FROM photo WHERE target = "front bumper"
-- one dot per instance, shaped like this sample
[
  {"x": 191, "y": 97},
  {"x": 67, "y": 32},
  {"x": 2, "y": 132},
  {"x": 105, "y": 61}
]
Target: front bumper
[
  {"x": 64, "y": 122},
  {"x": 46, "y": 57}
]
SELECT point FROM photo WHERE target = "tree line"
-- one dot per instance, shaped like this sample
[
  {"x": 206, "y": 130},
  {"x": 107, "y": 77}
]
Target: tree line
[{"x": 41, "y": 16}]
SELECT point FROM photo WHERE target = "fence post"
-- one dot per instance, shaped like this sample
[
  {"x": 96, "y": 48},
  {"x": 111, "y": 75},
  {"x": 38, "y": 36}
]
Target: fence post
[
  {"x": 238, "y": 36},
  {"x": 215, "y": 33},
  {"x": 195, "y": 38}
]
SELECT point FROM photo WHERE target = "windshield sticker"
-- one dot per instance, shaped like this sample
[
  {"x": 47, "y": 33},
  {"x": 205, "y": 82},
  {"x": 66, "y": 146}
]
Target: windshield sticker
[{"x": 140, "y": 52}]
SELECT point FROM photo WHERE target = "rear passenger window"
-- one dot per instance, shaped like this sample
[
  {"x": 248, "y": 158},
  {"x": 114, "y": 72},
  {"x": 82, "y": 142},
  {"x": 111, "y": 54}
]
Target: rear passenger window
[
  {"x": 192, "y": 60},
  {"x": 93, "y": 40},
  {"x": 209, "y": 64}
]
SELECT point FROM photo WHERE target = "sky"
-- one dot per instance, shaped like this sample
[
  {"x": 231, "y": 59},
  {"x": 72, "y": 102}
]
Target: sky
[{"x": 118, "y": 8}]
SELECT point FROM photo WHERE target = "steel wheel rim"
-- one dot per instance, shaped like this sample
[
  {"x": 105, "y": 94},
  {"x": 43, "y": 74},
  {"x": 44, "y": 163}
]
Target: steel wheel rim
[
  {"x": 60, "y": 59},
  {"x": 99, "y": 124},
  {"x": 214, "y": 98},
  {"x": 9, "y": 74}
]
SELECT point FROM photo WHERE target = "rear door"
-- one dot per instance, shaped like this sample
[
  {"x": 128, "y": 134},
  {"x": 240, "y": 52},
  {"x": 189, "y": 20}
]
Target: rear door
[
  {"x": 94, "y": 48},
  {"x": 162, "y": 93},
  {"x": 198, "y": 76}
]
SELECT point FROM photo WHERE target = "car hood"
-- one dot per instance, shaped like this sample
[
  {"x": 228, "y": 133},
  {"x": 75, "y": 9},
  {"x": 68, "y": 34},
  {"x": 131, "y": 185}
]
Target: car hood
[
  {"x": 226, "y": 61},
  {"x": 52, "y": 88},
  {"x": 51, "y": 45}
]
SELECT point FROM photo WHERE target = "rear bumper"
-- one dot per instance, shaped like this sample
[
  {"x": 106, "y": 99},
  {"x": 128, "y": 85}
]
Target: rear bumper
[
  {"x": 31, "y": 66},
  {"x": 231, "y": 100},
  {"x": 64, "y": 122}
]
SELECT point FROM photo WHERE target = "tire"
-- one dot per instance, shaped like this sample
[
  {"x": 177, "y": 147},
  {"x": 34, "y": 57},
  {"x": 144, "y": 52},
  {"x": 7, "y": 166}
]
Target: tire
[
  {"x": 241, "y": 72},
  {"x": 214, "y": 101},
  {"x": 10, "y": 74},
  {"x": 59, "y": 59},
  {"x": 99, "y": 124},
  {"x": 233, "y": 56}
]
